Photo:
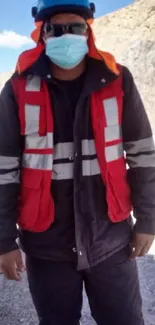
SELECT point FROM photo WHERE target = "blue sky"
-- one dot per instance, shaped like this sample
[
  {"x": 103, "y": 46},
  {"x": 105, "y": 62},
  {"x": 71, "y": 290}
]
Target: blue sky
[{"x": 16, "y": 25}]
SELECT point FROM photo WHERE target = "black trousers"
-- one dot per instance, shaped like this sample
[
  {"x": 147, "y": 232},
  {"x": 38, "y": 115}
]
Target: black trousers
[{"x": 112, "y": 288}]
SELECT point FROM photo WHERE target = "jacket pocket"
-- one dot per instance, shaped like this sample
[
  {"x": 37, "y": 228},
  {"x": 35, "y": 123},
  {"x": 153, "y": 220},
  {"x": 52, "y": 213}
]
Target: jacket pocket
[
  {"x": 36, "y": 206},
  {"x": 118, "y": 191},
  {"x": 30, "y": 196}
]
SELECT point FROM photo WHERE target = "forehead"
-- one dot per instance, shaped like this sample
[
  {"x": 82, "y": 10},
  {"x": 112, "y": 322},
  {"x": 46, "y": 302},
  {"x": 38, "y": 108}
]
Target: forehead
[{"x": 66, "y": 18}]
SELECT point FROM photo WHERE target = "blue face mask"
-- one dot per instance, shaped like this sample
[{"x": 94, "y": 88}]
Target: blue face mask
[{"x": 67, "y": 51}]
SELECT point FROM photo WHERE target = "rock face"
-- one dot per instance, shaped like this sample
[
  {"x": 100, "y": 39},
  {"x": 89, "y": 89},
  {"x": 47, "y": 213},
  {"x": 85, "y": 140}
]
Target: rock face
[
  {"x": 129, "y": 34},
  {"x": 3, "y": 78}
]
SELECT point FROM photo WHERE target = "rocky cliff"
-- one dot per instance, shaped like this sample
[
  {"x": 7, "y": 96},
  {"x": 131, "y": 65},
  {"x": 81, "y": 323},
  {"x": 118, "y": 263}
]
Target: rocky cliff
[
  {"x": 129, "y": 34},
  {"x": 3, "y": 78}
]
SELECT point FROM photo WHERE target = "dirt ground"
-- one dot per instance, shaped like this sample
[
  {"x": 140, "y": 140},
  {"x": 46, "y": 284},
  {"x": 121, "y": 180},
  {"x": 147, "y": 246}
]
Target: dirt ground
[{"x": 16, "y": 307}]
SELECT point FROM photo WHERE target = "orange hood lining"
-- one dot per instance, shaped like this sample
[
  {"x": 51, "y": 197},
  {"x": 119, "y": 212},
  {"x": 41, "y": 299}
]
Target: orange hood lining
[{"x": 27, "y": 58}]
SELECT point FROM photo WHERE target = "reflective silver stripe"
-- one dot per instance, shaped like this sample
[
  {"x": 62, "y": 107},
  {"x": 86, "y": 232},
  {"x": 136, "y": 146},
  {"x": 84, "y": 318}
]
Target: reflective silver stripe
[
  {"x": 90, "y": 167},
  {"x": 142, "y": 145},
  {"x": 9, "y": 178},
  {"x": 111, "y": 111},
  {"x": 32, "y": 113},
  {"x": 9, "y": 162},
  {"x": 112, "y": 133},
  {"x": 33, "y": 83},
  {"x": 88, "y": 147},
  {"x": 141, "y": 161},
  {"x": 114, "y": 152},
  {"x": 64, "y": 150},
  {"x": 63, "y": 171},
  {"x": 37, "y": 142},
  {"x": 37, "y": 161}
]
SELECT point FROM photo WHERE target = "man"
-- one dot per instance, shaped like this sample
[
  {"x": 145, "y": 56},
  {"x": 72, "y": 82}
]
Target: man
[{"x": 74, "y": 202}]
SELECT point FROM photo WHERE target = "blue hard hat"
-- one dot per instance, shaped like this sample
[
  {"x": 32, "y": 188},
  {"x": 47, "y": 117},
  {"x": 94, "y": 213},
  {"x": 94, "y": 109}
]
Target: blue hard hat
[{"x": 47, "y": 8}]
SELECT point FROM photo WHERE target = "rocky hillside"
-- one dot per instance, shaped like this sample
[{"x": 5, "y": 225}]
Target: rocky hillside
[
  {"x": 3, "y": 78},
  {"x": 129, "y": 34}
]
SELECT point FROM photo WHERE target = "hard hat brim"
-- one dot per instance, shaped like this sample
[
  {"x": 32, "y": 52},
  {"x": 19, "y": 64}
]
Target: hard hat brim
[{"x": 82, "y": 11}]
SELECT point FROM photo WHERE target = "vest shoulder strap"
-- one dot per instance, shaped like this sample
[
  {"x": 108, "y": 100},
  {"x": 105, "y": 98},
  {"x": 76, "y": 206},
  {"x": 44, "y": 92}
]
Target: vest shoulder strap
[
  {"x": 32, "y": 95},
  {"x": 114, "y": 90}
]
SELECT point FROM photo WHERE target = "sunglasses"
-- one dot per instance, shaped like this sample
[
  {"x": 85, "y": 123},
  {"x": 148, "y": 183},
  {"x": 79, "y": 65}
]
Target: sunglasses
[{"x": 57, "y": 30}]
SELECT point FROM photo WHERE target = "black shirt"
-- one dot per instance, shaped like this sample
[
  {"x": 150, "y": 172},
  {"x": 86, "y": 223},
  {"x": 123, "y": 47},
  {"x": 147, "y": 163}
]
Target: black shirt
[
  {"x": 71, "y": 90},
  {"x": 63, "y": 231}
]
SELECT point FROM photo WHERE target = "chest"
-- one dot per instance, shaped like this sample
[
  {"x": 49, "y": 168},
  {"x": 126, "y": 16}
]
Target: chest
[
  {"x": 48, "y": 122},
  {"x": 71, "y": 116}
]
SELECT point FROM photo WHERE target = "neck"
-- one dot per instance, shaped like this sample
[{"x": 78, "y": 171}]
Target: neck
[{"x": 71, "y": 74}]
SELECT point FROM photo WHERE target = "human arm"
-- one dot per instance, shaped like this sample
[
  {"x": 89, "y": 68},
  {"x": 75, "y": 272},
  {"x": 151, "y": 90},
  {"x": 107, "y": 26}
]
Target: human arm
[
  {"x": 140, "y": 155},
  {"x": 10, "y": 153}
]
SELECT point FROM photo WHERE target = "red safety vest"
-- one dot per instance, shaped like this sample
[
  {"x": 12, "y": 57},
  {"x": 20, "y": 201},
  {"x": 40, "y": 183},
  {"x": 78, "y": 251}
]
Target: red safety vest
[{"x": 36, "y": 208}]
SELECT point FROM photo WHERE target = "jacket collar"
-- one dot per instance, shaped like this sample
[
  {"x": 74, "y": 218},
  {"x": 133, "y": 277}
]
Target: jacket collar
[{"x": 97, "y": 73}]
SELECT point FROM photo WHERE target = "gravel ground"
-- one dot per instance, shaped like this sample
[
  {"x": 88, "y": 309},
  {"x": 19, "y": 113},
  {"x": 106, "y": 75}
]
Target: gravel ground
[{"x": 16, "y": 307}]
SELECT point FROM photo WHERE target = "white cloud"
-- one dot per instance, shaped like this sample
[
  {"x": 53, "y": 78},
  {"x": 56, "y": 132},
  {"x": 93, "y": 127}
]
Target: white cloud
[{"x": 10, "y": 39}]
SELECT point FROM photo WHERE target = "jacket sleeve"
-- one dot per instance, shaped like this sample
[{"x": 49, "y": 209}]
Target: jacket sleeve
[
  {"x": 10, "y": 153},
  {"x": 140, "y": 155}
]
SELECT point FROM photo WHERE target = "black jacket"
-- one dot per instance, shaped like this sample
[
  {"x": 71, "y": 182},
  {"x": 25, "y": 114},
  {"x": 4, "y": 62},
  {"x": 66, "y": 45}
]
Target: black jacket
[{"x": 82, "y": 230}]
